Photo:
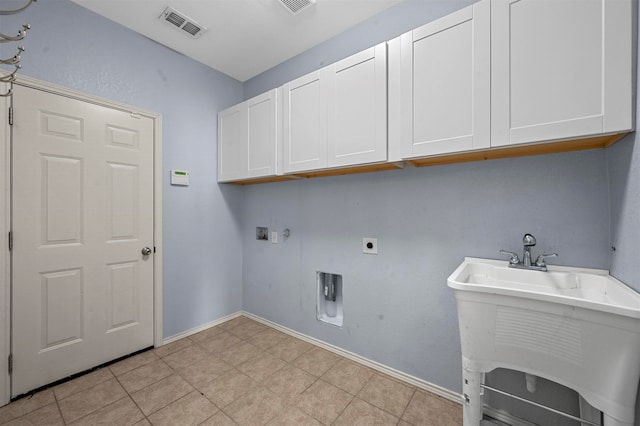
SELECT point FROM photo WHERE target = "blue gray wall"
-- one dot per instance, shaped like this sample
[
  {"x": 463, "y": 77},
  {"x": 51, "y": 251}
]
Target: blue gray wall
[{"x": 73, "y": 47}]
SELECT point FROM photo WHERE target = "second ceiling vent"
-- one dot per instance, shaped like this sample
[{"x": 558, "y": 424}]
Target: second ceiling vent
[
  {"x": 296, "y": 6},
  {"x": 182, "y": 22}
]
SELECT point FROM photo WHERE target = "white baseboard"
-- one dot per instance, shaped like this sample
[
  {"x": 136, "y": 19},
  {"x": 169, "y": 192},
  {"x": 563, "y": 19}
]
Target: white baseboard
[
  {"x": 419, "y": 383},
  {"x": 200, "y": 328}
]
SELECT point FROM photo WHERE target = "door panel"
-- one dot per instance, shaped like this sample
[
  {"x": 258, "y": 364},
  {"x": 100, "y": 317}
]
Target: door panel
[{"x": 82, "y": 185}]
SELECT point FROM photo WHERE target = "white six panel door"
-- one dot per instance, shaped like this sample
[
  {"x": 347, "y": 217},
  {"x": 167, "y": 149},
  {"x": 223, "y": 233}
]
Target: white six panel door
[{"x": 82, "y": 213}]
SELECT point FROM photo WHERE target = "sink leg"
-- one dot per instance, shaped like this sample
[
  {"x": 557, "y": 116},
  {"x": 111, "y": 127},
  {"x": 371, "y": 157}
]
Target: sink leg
[
  {"x": 610, "y": 421},
  {"x": 472, "y": 404}
]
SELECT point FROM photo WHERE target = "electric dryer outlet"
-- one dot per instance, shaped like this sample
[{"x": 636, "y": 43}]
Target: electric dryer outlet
[{"x": 370, "y": 245}]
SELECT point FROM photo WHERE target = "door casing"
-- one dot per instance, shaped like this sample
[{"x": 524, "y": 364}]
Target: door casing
[{"x": 5, "y": 209}]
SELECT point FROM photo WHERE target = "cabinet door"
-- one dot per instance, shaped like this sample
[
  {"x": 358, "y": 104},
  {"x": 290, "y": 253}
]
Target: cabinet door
[
  {"x": 357, "y": 108},
  {"x": 262, "y": 134},
  {"x": 305, "y": 123},
  {"x": 560, "y": 69},
  {"x": 232, "y": 147},
  {"x": 444, "y": 84}
]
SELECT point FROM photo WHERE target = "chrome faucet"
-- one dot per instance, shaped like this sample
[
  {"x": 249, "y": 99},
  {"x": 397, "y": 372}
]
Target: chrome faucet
[{"x": 539, "y": 265}]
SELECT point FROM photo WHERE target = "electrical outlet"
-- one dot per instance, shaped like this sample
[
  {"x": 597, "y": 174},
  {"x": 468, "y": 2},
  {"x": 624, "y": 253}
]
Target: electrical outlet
[
  {"x": 274, "y": 237},
  {"x": 370, "y": 245}
]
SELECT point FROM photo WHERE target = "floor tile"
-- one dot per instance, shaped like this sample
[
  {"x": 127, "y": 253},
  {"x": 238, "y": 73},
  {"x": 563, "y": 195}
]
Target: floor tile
[
  {"x": 289, "y": 382},
  {"x": 160, "y": 394},
  {"x": 80, "y": 404},
  {"x": 206, "y": 334},
  {"x": 185, "y": 357},
  {"x": 172, "y": 347},
  {"x": 387, "y": 394},
  {"x": 242, "y": 352},
  {"x": 26, "y": 405},
  {"x": 191, "y": 409},
  {"x": 234, "y": 322},
  {"x": 48, "y": 415},
  {"x": 323, "y": 401},
  {"x": 256, "y": 407},
  {"x": 267, "y": 338},
  {"x": 292, "y": 416},
  {"x": 262, "y": 366},
  {"x": 218, "y": 419},
  {"x": 359, "y": 413},
  {"x": 316, "y": 361},
  {"x": 220, "y": 342},
  {"x": 82, "y": 383},
  {"x": 290, "y": 349},
  {"x": 426, "y": 409},
  {"x": 144, "y": 376},
  {"x": 348, "y": 376},
  {"x": 247, "y": 329},
  {"x": 133, "y": 362},
  {"x": 123, "y": 412},
  {"x": 204, "y": 371},
  {"x": 228, "y": 387}
]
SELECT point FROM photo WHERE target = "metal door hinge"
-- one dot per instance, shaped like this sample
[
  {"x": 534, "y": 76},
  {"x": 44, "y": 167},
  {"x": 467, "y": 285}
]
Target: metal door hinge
[
  {"x": 10, "y": 116},
  {"x": 10, "y": 241},
  {"x": 10, "y": 362}
]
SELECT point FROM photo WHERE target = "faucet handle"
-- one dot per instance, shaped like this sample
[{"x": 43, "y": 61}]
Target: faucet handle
[
  {"x": 540, "y": 260},
  {"x": 514, "y": 256}
]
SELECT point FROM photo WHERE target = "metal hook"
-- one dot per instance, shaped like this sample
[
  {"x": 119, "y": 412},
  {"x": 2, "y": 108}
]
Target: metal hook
[
  {"x": 11, "y": 12},
  {"x": 21, "y": 34},
  {"x": 10, "y": 77},
  {"x": 14, "y": 59}
]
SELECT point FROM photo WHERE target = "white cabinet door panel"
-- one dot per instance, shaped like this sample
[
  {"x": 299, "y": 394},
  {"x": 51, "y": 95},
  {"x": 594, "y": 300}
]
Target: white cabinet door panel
[
  {"x": 262, "y": 135},
  {"x": 357, "y": 106},
  {"x": 445, "y": 77},
  {"x": 305, "y": 123},
  {"x": 551, "y": 72},
  {"x": 231, "y": 149}
]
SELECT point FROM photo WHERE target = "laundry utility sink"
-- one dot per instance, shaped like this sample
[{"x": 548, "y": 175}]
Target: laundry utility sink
[{"x": 578, "y": 327}]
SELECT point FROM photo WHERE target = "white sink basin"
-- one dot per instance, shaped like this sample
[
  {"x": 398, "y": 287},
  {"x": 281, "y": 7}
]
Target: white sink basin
[
  {"x": 587, "y": 288},
  {"x": 578, "y": 327}
]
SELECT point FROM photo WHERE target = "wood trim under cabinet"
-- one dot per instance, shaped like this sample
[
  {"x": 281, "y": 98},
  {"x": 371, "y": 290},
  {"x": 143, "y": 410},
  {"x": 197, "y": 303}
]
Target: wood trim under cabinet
[
  {"x": 586, "y": 143},
  {"x": 519, "y": 151}
]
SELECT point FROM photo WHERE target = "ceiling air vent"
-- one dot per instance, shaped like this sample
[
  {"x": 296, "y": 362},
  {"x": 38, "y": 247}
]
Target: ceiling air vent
[
  {"x": 182, "y": 22},
  {"x": 296, "y": 6}
]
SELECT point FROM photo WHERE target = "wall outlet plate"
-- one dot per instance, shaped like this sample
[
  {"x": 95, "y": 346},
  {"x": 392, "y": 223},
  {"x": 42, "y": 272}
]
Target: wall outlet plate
[{"x": 370, "y": 245}]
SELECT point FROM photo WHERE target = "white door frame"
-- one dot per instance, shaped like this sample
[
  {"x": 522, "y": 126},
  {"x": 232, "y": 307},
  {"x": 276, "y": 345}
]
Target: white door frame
[{"x": 5, "y": 210}]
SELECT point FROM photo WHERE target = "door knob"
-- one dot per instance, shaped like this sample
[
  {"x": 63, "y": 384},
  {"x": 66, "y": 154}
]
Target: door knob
[{"x": 146, "y": 251}]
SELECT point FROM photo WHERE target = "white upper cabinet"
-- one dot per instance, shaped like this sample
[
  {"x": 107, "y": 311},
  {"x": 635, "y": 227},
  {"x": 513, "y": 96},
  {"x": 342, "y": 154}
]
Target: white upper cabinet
[
  {"x": 357, "y": 108},
  {"x": 305, "y": 122},
  {"x": 560, "y": 69},
  {"x": 248, "y": 139},
  {"x": 337, "y": 116},
  {"x": 231, "y": 149},
  {"x": 439, "y": 88}
]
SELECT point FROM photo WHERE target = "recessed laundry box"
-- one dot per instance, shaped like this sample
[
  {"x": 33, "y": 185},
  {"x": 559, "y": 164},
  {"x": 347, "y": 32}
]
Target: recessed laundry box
[{"x": 329, "y": 306}]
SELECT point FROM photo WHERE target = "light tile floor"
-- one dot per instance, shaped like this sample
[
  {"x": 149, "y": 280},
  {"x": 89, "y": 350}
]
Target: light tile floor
[{"x": 238, "y": 373}]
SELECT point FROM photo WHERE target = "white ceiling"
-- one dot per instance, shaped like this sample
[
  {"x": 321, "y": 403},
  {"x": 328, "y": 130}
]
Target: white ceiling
[{"x": 244, "y": 37}]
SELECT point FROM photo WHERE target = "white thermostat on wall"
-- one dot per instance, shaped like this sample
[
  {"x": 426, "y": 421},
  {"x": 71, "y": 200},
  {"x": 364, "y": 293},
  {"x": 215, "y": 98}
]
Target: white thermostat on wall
[{"x": 179, "y": 177}]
